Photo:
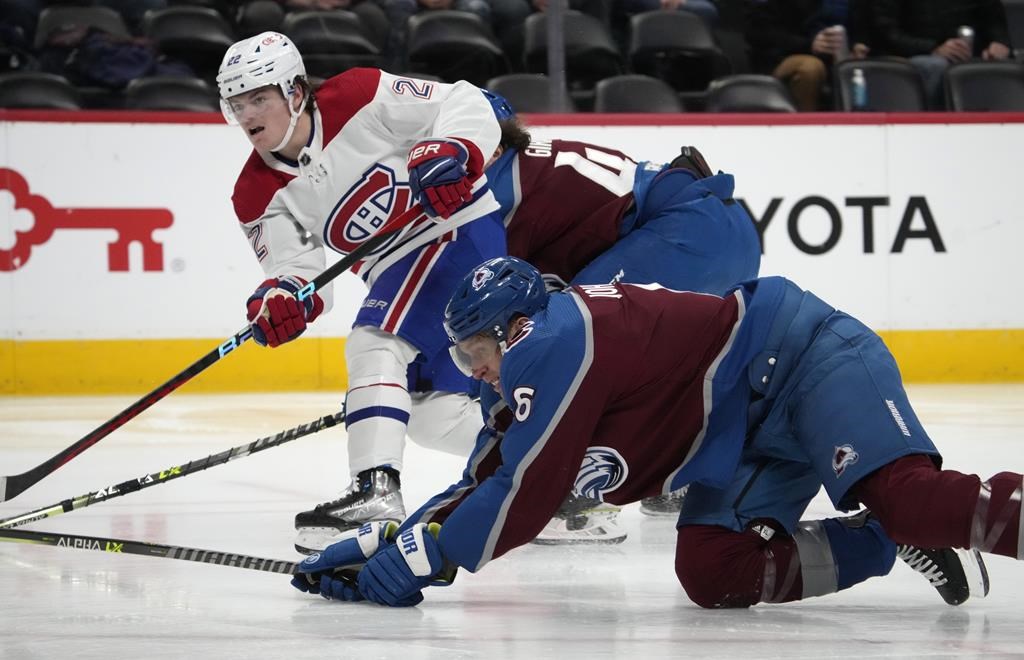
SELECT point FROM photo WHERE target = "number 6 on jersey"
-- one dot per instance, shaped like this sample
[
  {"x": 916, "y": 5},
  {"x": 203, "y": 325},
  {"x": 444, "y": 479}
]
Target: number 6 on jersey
[{"x": 523, "y": 396}]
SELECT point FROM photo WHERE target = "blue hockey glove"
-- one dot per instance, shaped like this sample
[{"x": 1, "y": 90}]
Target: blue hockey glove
[
  {"x": 396, "y": 575},
  {"x": 332, "y": 573},
  {"x": 438, "y": 176},
  {"x": 276, "y": 314}
]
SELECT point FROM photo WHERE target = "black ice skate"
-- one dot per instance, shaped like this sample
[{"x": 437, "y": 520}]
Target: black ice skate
[
  {"x": 374, "y": 494},
  {"x": 956, "y": 574},
  {"x": 663, "y": 505}
]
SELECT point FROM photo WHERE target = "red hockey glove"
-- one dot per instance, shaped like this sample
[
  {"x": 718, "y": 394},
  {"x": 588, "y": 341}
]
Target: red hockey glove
[
  {"x": 438, "y": 176},
  {"x": 276, "y": 314}
]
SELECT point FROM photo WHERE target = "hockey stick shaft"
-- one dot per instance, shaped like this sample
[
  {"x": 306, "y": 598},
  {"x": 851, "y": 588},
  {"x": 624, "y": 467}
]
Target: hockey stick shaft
[
  {"x": 126, "y": 547},
  {"x": 13, "y": 485},
  {"x": 171, "y": 473}
]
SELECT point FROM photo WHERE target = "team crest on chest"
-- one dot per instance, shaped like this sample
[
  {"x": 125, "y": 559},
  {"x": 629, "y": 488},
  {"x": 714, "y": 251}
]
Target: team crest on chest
[
  {"x": 376, "y": 198},
  {"x": 603, "y": 470}
]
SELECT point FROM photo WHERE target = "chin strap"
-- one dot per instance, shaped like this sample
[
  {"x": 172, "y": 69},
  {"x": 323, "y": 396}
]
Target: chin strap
[{"x": 291, "y": 124}]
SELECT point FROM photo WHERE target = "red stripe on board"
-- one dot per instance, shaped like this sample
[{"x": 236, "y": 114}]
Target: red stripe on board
[
  {"x": 112, "y": 117},
  {"x": 577, "y": 119},
  {"x": 774, "y": 119}
]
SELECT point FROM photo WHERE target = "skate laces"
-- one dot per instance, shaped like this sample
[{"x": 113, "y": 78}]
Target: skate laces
[
  {"x": 354, "y": 488},
  {"x": 922, "y": 563}
]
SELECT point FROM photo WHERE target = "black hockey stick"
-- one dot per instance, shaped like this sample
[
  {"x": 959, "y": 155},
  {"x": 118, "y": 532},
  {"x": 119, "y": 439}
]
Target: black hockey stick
[
  {"x": 13, "y": 485},
  {"x": 173, "y": 472},
  {"x": 125, "y": 547}
]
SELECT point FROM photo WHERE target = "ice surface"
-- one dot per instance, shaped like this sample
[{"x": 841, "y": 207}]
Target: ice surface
[{"x": 537, "y": 602}]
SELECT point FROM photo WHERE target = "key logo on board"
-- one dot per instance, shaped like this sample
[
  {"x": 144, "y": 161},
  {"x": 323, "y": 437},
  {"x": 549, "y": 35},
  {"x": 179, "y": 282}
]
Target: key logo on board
[{"x": 130, "y": 225}]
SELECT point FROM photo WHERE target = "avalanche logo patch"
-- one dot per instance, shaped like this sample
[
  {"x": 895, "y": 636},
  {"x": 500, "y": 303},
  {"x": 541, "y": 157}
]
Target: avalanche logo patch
[
  {"x": 843, "y": 457},
  {"x": 603, "y": 470},
  {"x": 481, "y": 277},
  {"x": 376, "y": 198}
]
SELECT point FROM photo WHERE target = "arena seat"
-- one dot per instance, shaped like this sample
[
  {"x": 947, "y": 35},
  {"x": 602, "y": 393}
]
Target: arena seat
[
  {"x": 635, "y": 93},
  {"x": 748, "y": 92},
  {"x": 454, "y": 45},
  {"x": 64, "y": 16},
  {"x": 330, "y": 41},
  {"x": 677, "y": 47},
  {"x": 35, "y": 89},
  {"x": 590, "y": 52},
  {"x": 199, "y": 36},
  {"x": 171, "y": 93},
  {"x": 985, "y": 87},
  {"x": 893, "y": 85},
  {"x": 529, "y": 92}
]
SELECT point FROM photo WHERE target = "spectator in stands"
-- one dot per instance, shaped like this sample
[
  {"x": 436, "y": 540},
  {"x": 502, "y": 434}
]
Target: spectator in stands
[
  {"x": 797, "y": 41},
  {"x": 926, "y": 32}
]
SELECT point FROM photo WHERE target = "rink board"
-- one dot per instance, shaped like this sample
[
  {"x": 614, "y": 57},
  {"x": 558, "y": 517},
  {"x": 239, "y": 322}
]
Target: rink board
[{"x": 907, "y": 221}]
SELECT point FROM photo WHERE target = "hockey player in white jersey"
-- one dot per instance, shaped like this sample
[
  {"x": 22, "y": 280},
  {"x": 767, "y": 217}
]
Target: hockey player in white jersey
[{"x": 326, "y": 172}]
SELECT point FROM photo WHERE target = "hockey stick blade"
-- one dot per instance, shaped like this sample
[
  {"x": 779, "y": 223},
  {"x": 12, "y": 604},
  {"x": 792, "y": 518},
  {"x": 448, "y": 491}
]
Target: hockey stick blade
[
  {"x": 126, "y": 547},
  {"x": 13, "y": 485},
  {"x": 171, "y": 473}
]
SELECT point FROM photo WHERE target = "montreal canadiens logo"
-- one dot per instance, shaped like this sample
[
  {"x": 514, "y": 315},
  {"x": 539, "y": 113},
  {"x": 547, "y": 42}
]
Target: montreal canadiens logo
[
  {"x": 603, "y": 470},
  {"x": 481, "y": 277},
  {"x": 365, "y": 207},
  {"x": 843, "y": 458}
]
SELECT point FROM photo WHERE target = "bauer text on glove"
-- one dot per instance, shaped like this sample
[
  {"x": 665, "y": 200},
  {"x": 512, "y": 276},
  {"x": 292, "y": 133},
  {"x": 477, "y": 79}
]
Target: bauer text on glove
[
  {"x": 332, "y": 573},
  {"x": 439, "y": 177},
  {"x": 398, "y": 573}
]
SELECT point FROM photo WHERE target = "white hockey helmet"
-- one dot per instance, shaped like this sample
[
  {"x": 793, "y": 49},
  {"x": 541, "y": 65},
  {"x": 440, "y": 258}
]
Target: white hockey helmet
[{"x": 269, "y": 58}]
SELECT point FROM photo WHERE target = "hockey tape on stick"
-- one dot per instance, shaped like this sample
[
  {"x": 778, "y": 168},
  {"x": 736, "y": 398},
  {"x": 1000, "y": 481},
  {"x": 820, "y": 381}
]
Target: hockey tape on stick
[
  {"x": 173, "y": 472},
  {"x": 126, "y": 547},
  {"x": 13, "y": 485}
]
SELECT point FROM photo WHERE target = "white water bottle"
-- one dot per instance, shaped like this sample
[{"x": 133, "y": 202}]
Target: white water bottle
[{"x": 859, "y": 90}]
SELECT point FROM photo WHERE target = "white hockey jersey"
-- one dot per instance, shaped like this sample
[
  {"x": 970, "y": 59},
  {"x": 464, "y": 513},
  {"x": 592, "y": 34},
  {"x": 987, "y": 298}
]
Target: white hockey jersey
[{"x": 351, "y": 177}]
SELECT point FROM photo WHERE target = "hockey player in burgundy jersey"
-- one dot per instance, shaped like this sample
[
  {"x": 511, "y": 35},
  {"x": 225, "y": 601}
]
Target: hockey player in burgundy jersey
[
  {"x": 757, "y": 399},
  {"x": 587, "y": 214},
  {"x": 327, "y": 170}
]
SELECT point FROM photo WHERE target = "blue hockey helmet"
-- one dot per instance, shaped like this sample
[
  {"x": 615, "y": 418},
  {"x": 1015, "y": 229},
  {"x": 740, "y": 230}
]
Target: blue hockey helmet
[
  {"x": 488, "y": 297},
  {"x": 502, "y": 108}
]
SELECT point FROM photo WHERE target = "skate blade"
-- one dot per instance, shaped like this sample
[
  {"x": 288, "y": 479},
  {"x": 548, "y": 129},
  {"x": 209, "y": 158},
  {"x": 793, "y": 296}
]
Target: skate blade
[
  {"x": 653, "y": 513},
  {"x": 310, "y": 540},
  {"x": 975, "y": 571},
  {"x": 597, "y": 540}
]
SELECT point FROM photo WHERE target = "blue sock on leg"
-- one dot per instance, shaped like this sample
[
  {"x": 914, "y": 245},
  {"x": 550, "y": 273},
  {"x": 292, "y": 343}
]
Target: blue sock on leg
[{"x": 860, "y": 549}]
